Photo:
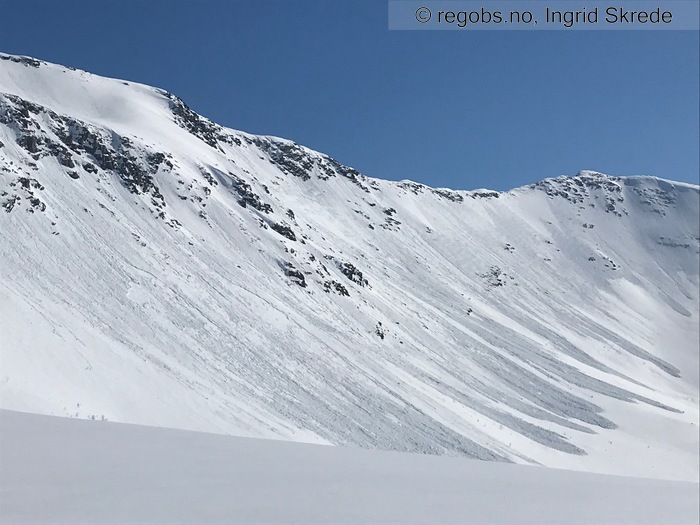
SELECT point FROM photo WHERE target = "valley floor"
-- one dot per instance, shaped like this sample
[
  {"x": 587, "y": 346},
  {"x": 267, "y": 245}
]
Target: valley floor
[{"x": 60, "y": 470}]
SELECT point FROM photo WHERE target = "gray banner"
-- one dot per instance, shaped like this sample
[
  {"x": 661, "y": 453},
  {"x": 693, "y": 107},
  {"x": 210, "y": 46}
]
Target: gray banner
[{"x": 534, "y": 15}]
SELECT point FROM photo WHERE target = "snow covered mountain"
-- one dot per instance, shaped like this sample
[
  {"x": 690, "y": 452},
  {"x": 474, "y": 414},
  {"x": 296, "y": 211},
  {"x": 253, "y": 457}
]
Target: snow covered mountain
[{"x": 157, "y": 268}]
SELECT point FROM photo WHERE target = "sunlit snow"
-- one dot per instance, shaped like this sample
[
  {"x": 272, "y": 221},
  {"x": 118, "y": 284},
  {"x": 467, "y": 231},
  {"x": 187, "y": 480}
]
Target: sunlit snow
[{"x": 162, "y": 270}]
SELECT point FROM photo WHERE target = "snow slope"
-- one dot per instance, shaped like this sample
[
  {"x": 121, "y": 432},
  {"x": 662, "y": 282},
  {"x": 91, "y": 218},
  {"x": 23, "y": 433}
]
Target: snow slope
[
  {"x": 57, "y": 470},
  {"x": 159, "y": 269}
]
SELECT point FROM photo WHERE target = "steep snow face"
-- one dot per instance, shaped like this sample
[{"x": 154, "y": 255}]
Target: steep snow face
[{"x": 158, "y": 268}]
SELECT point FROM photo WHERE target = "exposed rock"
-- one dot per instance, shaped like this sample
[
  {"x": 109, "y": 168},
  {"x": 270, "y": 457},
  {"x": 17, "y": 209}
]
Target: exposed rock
[
  {"x": 352, "y": 273},
  {"x": 586, "y": 185},
  {"x": 284, "y": 230},
  {"x": 27, "y": 61},
  {"x": 380, "y": 331},
  {"x": 336, "y": 287},
  {"x": 247, "y": 197},
  {"x": 296, "y": 276},
  {"x": 204, "y": 129}
]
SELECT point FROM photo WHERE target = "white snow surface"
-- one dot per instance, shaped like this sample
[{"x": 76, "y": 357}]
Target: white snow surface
[
  {"x": 63, "y": 471},
  {"x": 159, "y": 269}
]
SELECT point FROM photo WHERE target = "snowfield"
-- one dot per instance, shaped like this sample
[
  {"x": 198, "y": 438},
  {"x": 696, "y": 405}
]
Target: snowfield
[
  {"x": 159, "y": 269},
  {"x": 63, "y": 471}
]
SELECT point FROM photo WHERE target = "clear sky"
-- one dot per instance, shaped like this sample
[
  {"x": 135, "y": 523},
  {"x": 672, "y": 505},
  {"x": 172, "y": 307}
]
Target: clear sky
[{"x": 460, "y": 109}]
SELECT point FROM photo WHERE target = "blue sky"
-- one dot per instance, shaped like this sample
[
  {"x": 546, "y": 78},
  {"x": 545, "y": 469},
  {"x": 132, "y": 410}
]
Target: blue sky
[{"x": 460, "y": 109}]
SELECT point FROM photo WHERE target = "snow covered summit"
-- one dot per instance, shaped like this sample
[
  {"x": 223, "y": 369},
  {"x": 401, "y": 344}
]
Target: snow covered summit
[{"x": 160, "y": 269}]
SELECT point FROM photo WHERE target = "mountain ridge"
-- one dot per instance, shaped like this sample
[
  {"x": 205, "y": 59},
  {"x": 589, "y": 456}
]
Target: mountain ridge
[
  {"x": 165, "y": 270},
  {"x": 34, "y": 62}
]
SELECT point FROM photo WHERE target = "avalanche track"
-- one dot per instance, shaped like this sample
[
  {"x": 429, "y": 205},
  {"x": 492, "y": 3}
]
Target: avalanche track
[{"x": 160, "y": 269}]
